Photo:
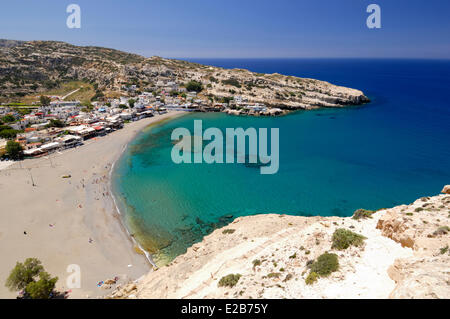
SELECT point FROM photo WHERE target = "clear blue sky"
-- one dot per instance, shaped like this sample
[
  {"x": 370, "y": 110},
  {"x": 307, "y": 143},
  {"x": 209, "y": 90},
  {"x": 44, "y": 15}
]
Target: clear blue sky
[{"x": 243, "y": 28}]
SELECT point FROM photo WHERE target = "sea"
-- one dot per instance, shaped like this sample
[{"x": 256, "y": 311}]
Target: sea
[{"x": 388, "y": 152}]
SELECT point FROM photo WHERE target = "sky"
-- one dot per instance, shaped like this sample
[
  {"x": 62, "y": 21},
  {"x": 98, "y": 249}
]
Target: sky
[{"x": 239, "y": 29}]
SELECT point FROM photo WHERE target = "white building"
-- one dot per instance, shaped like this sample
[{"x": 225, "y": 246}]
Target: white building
[{"x": 65, "y": 103}]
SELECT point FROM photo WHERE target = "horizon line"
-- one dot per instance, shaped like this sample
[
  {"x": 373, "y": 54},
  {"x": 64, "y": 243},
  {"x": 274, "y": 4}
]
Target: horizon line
[
  {"x": 312, "y": 58},
  {"x": 246, "y": 58}
]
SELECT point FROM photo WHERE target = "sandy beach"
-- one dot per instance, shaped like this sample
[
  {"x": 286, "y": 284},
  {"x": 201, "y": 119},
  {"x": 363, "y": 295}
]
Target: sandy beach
[{"x": 69, "y": 220}]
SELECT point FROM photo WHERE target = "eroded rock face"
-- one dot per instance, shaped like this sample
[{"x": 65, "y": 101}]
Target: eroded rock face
[
  {"x": 423, "y": 227},
  {"x": 425, "y": 277},
  {"x": 395, "y": 228},
  {"x": 446, "y": 189}
]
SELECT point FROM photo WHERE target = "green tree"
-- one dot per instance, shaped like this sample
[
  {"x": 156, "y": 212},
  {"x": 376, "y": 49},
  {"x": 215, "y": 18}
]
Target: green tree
[
  {"x": 42, "y": 288},
  {"x": 14, "y": 149},
  {"x": 194, "y": 86},
  {"x": 131, "y": 102},
  {"x": 55, "y": 123},
  {"x": 7, "y": 132},
  {"x": 45, "y": 100},
  {"x": 8, "y": 119},
  {"x": 232, "y": 81},
  {"x": 23, "y": 274},
  {"x": 98, "y": 96}
]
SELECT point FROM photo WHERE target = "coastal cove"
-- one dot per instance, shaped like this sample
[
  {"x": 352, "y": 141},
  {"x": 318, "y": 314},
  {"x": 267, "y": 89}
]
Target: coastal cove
[{"x": 332, "y": 161}]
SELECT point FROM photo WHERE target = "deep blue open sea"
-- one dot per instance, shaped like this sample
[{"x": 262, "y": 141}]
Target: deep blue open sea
[{"x": 332, "y": 161}]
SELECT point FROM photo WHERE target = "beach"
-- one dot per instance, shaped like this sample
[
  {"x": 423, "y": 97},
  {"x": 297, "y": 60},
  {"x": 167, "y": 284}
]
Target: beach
[{"x": 70, "y": 221}]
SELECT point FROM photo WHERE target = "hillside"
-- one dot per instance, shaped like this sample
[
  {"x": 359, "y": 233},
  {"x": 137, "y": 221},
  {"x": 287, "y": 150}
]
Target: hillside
[
  {"x": 28, "y": 68},
  {"x": 404, "y": 254}
]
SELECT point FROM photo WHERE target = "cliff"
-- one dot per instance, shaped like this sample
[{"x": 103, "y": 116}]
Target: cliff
[
  {"x": 404, "y": 253},
  {"x": 28, "y": 68}
]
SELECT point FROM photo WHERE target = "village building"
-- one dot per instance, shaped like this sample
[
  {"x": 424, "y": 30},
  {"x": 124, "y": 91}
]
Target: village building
[{"x": 82, "y": 131}]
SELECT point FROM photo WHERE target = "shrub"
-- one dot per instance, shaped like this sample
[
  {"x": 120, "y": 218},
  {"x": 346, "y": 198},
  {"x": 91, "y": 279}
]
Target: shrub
[
  {"x": 344, "y": 238},
  {"x": 418, "y": 209},
  {"x": 256, "y": 263},
  {"x": 228, "y": 231},
  {"x": 325, "y": 264},
  {"x": 443, "y": 250},
  {"x": 273, "y": 275},
  {"x": 229, "y": 280},
  {"x": 232, "y": 81},
  {"x": 362, "y": 214},
  {"x": 444, "y": 230},
  {"x": 312, "y": 278}
]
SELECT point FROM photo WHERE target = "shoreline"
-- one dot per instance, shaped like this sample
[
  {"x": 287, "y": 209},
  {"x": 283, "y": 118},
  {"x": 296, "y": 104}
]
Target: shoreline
[
  {"x": 71, "y": 221},
  {"x": 117, "y": 209},
  {"x": 401, "y": 256}
]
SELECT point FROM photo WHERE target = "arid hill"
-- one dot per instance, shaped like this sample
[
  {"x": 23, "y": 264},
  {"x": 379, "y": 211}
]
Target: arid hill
[{"x": 38, "y": 66}]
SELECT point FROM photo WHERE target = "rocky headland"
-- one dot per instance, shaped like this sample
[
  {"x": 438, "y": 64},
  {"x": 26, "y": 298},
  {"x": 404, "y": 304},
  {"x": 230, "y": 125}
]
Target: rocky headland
[{"x": 35, "y": 67}]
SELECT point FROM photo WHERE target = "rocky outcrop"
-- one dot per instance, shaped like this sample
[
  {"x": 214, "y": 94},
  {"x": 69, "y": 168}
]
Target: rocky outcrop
[
  {"x": 422, "y": 226},
  {"x": 405, "y": 254},
  {"x": 446, "y": 189},
  {"x": 395, "y": 228},
  {"x": 417, "y": 225},
  {"x": 421, "y": 278}
]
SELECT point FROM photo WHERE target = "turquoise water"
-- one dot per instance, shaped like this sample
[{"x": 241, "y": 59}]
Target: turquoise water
[{"x": 332, "y": 161}]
